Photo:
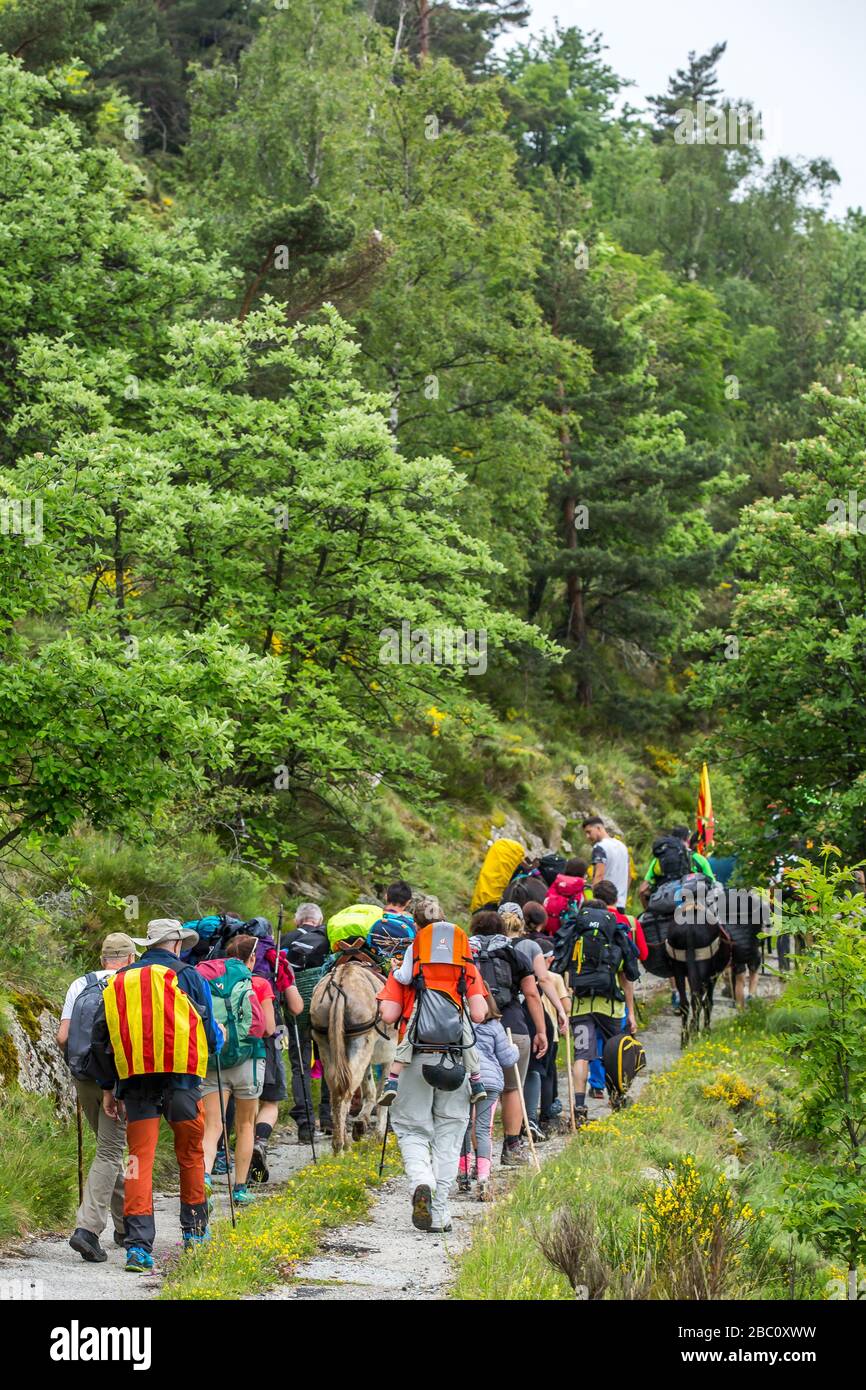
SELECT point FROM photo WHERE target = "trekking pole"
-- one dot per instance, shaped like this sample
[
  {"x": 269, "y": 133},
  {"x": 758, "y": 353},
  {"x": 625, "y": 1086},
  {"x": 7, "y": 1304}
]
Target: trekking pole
[
  {"x": 219, "y": 1077},
  {"x": 80, "y": 1150},
  {"x": 525, "y": 1112},
  {"x": 385, "y": 1140},
  {"x": 305, "y": 1081},
  {"x": 570, "y": 1077}
]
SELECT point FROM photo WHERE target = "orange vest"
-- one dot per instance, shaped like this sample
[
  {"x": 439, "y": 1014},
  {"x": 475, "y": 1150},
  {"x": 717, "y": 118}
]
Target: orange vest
[{"x": 153, "y": 1026}]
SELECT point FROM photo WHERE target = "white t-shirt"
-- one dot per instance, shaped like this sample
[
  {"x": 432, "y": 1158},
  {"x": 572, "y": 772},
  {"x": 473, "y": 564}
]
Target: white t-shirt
[
  {"x": 613, "y": 854},
  {"x": 76, "y": 987}
]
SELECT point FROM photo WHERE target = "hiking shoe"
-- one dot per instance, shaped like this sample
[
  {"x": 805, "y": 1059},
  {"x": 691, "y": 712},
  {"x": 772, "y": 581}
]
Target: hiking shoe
[
  {"x": 259, "y": 1171},
  {"x": 538, "y": 1134},
  {"x": 597, "y": 1092},
  {"x": 439, "y": 1230},
  {"x": 304, "y": 1134},
  {"x": 220, "y": 1164},
  {"x": 514, "y": 1155},
  {"x": 85, "y": 1244},
  {"x": 139, "y": 1260},
  {"x": 483, "y": 1193},
  {"x": 675, "y": 1001},
  {"x": 464, "y": 1182},
  {"x": 477, "y": 1092},
  {"x": 422, "y": 1197},
  {"x": 388, "y": 1092},
  {"x": 193, "y": 1239},
  {"x": 242, "y": 1195},
  {"x": 581, "y": 1116},
  {"x": 119, "y": 1238}
]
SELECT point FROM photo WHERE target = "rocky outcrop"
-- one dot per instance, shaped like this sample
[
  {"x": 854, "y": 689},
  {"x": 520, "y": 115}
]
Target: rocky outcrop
[{"x": 29, "y": 1055}]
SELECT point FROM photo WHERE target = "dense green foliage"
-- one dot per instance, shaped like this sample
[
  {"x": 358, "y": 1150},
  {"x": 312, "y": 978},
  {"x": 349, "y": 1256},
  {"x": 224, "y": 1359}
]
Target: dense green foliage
[{"x": 319, "y": 320}]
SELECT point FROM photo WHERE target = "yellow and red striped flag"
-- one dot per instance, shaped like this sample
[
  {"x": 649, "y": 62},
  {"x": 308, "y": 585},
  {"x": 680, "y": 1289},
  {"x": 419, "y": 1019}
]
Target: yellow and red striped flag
[
  {"x": 153, "y": 1026},
  {"x": 706, "y": 819}
]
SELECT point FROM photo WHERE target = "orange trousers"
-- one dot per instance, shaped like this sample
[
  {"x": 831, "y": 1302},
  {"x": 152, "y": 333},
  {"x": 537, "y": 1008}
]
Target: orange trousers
[{"x": 142, "y": 1133}]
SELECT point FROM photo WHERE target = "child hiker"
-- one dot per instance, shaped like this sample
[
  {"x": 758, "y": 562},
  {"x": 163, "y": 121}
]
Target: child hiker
[{"x": 495, "y": 1052}]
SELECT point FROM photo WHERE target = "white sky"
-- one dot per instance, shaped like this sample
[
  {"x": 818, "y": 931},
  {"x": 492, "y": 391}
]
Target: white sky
[{"x": 803, "y": 64}]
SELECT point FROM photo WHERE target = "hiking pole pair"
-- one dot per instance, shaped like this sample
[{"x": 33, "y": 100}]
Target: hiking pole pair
[
  {"x": 305, "y": 1080},
  {"x": 219, "y": 1077},
  {"x": 525, "y": 1111}
]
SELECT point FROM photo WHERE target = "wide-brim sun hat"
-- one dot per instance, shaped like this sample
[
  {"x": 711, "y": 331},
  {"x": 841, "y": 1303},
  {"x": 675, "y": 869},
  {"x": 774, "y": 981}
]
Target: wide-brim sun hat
[{"x": 161, "y": 929}]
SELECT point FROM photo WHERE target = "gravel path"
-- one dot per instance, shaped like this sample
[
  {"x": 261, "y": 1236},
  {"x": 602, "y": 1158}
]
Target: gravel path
[{"x": 59, "y": 1273}]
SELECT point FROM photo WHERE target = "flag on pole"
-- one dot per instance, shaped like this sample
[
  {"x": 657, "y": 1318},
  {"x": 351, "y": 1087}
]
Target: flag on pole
[{"x": 706, "y": 820}]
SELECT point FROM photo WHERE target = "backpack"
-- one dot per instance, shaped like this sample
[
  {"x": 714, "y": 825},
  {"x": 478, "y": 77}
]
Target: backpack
[
  {"x": 306, "y": 948},
  {"x": 353, "y": 923},
  {"x": 674, "y": 860},
  {"x": 622, "y": 1059},
  {"x": 600, "y": 949},
  {"x": 85, "y": 1011},
  {"x": 549, "y": 865},
  {"x": 437, "y": 1019},
  {"x": 655, "y": 931},
  {"x": 496, "y": 968},
  {"x": 213, "y": 933},
  {"x": 237, "y": 1007}
]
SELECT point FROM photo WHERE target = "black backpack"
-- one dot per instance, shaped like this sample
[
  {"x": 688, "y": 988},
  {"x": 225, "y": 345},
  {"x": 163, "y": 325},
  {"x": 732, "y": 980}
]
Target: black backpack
[
  {"x": 85, "y": 1011},
  {"x": 307, "y": 948},
  {"x": 604, "y": 946},
  {"x": 549, "y": 865},
  {"x": 675, "y": 860},
  {"x": 496, "y": 967}
]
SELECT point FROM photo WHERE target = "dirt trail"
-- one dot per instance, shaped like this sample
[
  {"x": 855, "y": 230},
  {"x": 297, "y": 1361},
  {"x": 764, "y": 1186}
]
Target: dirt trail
[
  {"x": 385, "y": 1258},
  {"x": 59, "y": 1273}
]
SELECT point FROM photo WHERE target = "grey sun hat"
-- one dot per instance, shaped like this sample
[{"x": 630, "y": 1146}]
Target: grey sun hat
[
  {"x": 511, "y": 910},
  {"x": 161, "y": 929}
]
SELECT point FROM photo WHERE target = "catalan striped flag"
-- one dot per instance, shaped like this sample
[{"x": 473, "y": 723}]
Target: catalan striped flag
[
  {"x": 154, "y": 1027},
  {"x": 706, "y": 819}
]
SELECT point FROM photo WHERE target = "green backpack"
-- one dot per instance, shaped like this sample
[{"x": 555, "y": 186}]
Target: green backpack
[{"x": 236, "y": 1007}]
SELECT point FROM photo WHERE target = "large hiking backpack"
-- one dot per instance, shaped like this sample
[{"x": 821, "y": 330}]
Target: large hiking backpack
[
  {"x": 85, "y": 1011},
  {"x": 673, "y": 857},
  {"x": 213, "y": 933},
  {"x": 306, "y": 948},
  {"x": 599, "y": 952},
  {"x": 496, "y": 968},
  {"x": 623, "y": 1057},
  {"x": 237, "y": 1008},
  {"x": 655, "y": 930},
  {"x": 438, "y": 1019}
]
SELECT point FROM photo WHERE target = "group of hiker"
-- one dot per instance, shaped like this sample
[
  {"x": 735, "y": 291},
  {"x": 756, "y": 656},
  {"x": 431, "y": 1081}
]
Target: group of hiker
[{"x": 194, "y": 1029}]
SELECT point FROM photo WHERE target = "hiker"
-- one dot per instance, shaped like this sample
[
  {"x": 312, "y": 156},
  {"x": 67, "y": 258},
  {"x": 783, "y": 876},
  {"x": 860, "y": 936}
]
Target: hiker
[
  {"x": 506, "y": 976},
  {"x": 609, "y": 859},
  {"x": 151, "y": 1043},
  {"x": 283, "y": 991},
  {"x": 529, "y": 951},
  {"x": 389, "y": 936},
  {"x": 496, "y": 1052},
  {"x": 428, "y": 1119},
  {"x": 541, "y": 1079},
  {"x": 602, "y": 967},
  {"x": 235, "y": 991},
  {"x": 103, "y": 1190},
  {"x": 605, "y": 892},
  {"x": 405, "y": 973},
  {"x": 567, "y": 889},
  {"x": 673, "y": 858},
  {"x": 307, "y": 950},
  {"x": 744, "y": 914}
]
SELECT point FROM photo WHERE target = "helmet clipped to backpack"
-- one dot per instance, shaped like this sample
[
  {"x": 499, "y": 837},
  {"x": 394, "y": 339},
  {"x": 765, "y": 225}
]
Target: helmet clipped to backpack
[{"x": 446, "y": 1074}]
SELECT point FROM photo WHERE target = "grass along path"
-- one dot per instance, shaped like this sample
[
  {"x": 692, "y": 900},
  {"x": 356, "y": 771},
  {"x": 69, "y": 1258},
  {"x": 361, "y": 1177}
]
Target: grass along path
[{"x": 703, "y": 1153}]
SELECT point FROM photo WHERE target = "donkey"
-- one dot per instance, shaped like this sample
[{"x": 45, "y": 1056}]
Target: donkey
[{"x": 344, "y": 1016}]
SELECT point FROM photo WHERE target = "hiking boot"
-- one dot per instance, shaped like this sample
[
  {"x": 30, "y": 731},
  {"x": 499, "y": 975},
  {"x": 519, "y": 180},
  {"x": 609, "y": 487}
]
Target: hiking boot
[
  {"x": 220, "y": 1164},
  {"x": 193, "y": 1239},
  {"x": 241, "y": 1195},
  {"x": 120, "y": 1238},
  {"x": 439, "y": 1230},
  {"x": 483, "y": 1194},
  {"x": 513, "y": 1155},
  {"x": 422, "y": 1198},
  {"x": 675, "y": 1001},
  {"x": 305, "y": 1135},
  {"x": 581, "y": 1116},
  {"x": 388, "y": 1093},
  {"x": 538, "y": 1134},
  {"x": 597, "y": 1092},
  {"x": 464, "y": 1182},
  {"x": 259, "y": 1171},
  {"x": 139, "y": 1260},
  {"x": 85, "y": 1244},
  {"x": 477, "y": 1092}
]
